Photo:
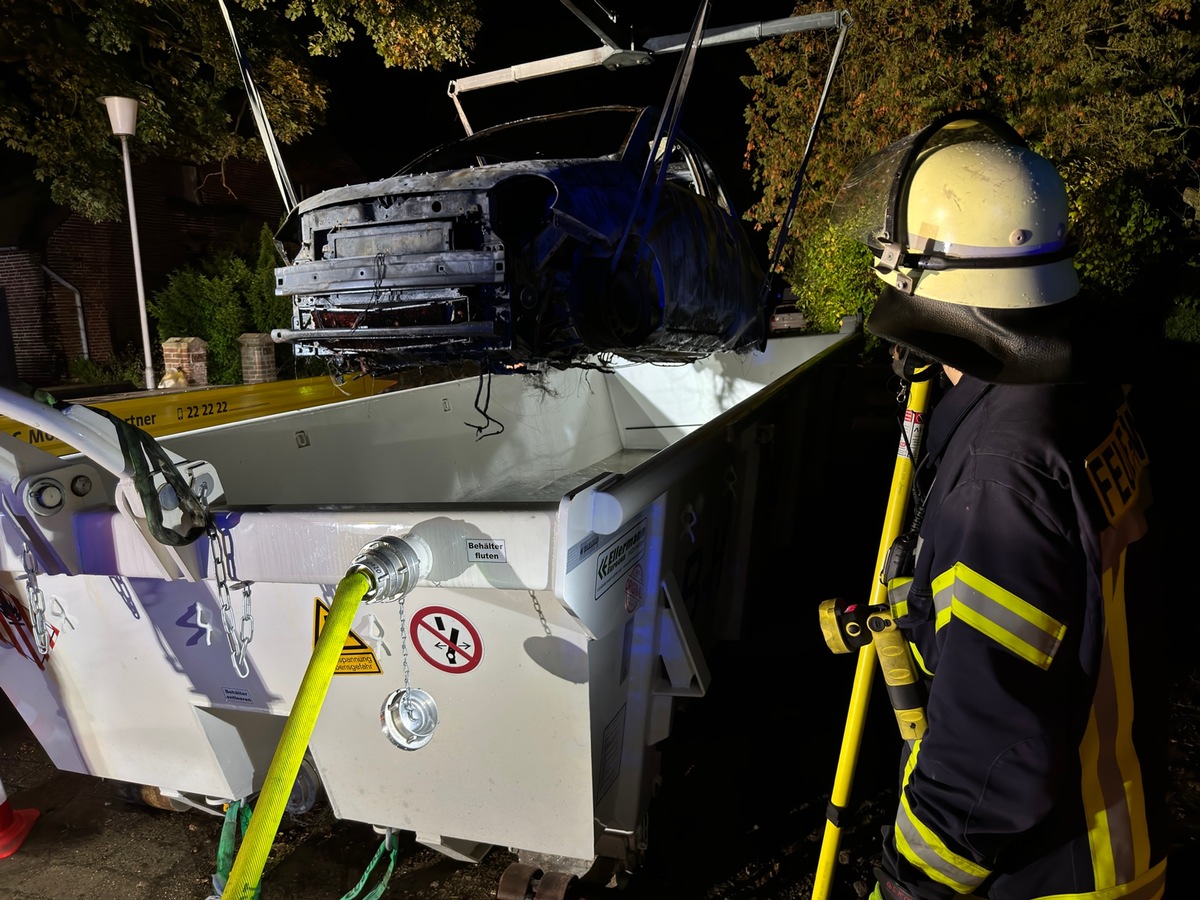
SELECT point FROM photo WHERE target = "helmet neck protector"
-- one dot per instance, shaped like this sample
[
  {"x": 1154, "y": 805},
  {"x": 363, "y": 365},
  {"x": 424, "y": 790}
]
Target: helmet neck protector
[{"x": 1011, "y": 346}]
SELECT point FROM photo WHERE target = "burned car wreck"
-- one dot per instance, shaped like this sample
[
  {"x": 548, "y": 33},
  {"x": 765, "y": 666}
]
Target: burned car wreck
[{"x": 525, "y": 243}]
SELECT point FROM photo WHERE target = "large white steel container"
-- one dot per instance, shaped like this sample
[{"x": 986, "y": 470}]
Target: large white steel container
[{"x": 587, "y": 544}]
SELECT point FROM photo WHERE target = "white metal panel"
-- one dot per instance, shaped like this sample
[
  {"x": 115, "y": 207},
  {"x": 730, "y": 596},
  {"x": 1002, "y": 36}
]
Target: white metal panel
[
  {"x": 657, "y": 405},
  {"x": 120, "y": 684},
  {"x": 415, "y": 446},
  {"x": 472, "y": 547},
  {"x": 510, "y": 762}
]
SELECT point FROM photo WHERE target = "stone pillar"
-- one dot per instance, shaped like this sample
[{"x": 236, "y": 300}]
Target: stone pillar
[
  {"x": 188, "y": 355},
  {"x": 258, "y": 358}
]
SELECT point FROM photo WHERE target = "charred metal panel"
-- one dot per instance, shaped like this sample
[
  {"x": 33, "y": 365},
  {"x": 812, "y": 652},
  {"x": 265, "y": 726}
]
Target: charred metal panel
[{"x": 511, "y": 260}]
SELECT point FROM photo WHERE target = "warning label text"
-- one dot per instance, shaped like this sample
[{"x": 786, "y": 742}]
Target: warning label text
[{"x": 485, "y": 550}]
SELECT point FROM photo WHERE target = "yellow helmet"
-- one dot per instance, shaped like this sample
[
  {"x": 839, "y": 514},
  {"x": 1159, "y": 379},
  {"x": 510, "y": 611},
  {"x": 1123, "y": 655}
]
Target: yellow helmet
[{"x": 969, "y": 231}]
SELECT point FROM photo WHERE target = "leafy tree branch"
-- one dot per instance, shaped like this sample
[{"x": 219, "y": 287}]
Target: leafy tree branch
[{"x": 58, "y": 57}]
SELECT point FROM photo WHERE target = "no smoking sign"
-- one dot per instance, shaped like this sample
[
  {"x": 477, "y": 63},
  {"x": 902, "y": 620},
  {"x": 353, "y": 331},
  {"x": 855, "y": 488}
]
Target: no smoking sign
[{"x": 446, "y": 639}]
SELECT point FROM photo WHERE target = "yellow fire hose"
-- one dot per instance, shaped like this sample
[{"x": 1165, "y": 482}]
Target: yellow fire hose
[
  {"x": 247, "y": 869},
  {"x": 868, "y": 654}
]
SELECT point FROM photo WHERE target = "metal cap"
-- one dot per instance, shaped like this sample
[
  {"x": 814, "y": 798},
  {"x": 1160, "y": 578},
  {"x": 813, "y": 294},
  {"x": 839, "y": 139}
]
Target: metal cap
[{"x": 408, "y": 718}]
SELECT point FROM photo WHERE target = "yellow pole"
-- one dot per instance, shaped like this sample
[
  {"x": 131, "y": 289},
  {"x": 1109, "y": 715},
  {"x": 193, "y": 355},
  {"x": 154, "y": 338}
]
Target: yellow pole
[
  {"x": 864, "y": 671},
  {"x": 247, "y": 869}
]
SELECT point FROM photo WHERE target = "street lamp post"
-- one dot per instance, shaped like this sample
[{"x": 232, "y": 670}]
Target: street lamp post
[{"x": 122, "y": 115}]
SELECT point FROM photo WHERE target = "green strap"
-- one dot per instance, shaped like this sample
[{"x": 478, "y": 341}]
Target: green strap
[
  {"x": 376, "y": 892},
  {"x": 237, "y": 817},
  {"x": 146, "y": 456}
]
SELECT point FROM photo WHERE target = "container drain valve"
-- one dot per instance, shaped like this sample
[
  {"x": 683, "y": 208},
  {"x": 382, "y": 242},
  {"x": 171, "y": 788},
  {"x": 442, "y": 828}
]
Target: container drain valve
[{"x": 394, "y": 566}]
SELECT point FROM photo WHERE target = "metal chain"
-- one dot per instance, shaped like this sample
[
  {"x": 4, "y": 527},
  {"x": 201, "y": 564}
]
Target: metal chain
[
  {"x": 238, "y": 634},
  {"x": 37, "y": 602},
  {"x": 537, "y": 607},
  {"x": 404, "y": 650},
  {"x": 399, "y": 598}
]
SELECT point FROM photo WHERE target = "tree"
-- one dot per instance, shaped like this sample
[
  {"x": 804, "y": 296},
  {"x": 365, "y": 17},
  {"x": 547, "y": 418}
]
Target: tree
[
  {"x": 58, "y": 56},
  {"x": 1107, "y": 89},
  {"x": 228, "y": 295}
]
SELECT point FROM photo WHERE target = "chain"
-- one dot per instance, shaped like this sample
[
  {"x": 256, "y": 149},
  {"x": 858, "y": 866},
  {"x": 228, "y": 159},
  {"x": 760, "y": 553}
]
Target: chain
[
  {"x": 238, "y": 634},
  {"x": 404, "y": 650},
  {"x": 537, "y": 607},
  {"x": 37, "y": 602}
]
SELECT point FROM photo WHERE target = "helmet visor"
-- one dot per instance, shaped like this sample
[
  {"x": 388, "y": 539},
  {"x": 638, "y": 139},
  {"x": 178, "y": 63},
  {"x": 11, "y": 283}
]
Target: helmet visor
[{"x": 869, "y": 205}]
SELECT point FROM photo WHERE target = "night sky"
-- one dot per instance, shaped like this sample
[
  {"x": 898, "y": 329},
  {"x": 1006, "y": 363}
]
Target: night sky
[{"x": 400, "y": 114}]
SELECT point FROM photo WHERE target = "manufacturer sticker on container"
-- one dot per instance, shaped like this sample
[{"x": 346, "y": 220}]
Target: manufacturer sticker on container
[
  {"x": 582, "y": 550},
  {"x": 621, "y": 555},
  {"x": 446, "y": 639}
]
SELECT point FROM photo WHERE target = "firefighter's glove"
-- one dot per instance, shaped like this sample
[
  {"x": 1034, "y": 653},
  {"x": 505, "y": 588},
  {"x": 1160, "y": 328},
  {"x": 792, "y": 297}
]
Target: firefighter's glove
[{"x": 887, "y": 888}]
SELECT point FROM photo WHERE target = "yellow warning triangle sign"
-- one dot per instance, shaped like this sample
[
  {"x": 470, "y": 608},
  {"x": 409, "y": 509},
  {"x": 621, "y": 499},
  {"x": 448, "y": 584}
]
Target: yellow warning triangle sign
[{"x": 357, "y": 658}]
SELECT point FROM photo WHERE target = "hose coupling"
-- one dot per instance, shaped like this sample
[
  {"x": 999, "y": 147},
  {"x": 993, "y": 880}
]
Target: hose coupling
[{"x": 393, "y": 565}]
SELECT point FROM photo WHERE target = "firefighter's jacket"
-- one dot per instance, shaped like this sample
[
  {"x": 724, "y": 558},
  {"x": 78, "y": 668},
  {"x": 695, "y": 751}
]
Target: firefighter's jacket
[{"x": 1041, "y": 772}]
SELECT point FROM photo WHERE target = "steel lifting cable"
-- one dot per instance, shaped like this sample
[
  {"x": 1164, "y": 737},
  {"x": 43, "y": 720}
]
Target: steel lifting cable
[
  {"x": 844, "y": 23},
  {"x": 668, "y": 127}
]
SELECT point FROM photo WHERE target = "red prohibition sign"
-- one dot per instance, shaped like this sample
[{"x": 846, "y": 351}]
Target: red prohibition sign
[{"x": 446, "y": 640}]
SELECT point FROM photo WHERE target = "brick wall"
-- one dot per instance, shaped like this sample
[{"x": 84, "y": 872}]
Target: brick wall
[
  {"x": 24, "y": 285},
  {"x": 258, "y": 358},
  {"x": 185, "y": 216},
  {"x": 188, "y": 355}
]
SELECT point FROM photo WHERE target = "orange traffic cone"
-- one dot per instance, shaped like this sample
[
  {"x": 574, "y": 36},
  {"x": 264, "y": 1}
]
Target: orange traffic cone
[{"x": 14, "y": 825}]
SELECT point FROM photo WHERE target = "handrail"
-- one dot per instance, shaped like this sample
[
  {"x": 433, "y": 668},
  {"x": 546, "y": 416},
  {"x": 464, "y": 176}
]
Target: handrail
[{"x": 89, "y": 433}]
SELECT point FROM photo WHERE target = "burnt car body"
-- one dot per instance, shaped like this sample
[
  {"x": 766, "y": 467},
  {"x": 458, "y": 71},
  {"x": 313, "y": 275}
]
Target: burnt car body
[{"x": 501, "y": 247}]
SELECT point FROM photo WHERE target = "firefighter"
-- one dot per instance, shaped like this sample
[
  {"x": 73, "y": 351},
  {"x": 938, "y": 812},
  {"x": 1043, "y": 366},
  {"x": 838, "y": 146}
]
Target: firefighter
[{"x": 1028, "y": 602}]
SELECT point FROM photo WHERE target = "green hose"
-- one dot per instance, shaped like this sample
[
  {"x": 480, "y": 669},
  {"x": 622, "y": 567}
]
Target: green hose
[{"x": 247, "y": 869}]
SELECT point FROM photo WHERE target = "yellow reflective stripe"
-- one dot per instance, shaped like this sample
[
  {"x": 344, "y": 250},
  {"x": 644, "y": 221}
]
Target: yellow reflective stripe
[
  {"x": 1000, "y": 614},
  {"x": 943, "y": 594},
  {"x": 1117, "y": 626},
  {"x": 1150, "y": 885},
  {"x": 1114, "y": 802},
  {"x": 897, "y": 593},
  {"x": 921, "y": 846},
  {"x": 1095, "y": 806},
  {"x": 920, "y": 660}
]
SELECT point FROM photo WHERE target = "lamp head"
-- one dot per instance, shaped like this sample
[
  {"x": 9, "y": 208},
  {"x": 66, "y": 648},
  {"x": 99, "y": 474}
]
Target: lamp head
[{"x": 122, "y": 114}]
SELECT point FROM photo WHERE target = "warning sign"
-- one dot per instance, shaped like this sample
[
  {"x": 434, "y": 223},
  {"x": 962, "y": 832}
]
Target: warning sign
[
  {"x": 357, "y": 658},
  {"x": 914, "y": 430},
  {"x": 446, "y": 639}
]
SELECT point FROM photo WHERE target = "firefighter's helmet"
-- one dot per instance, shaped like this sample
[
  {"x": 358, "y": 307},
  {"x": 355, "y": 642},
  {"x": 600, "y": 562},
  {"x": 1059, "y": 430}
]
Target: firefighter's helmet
[{"x": 968, "y": 227}]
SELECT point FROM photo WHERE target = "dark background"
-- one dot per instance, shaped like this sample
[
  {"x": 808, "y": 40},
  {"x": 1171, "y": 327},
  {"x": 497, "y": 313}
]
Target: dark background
[{"x": 392, "y": 116}]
